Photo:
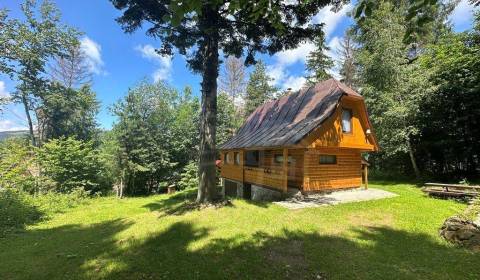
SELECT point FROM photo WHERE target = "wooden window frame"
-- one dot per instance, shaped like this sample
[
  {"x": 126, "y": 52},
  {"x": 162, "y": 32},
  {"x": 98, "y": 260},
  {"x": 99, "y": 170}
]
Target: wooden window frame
[
  {"x": 275, "y": 161},
  {"x": 327, "y": 163},
  {"x": 236, "y": 155},
  {"x": 351, "y": 120}
]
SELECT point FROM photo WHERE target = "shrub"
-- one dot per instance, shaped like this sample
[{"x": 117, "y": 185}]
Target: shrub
[
  {"x": 17, "y": 209},
  {"x": 189, "y": 176},
  {"x": 70, "y": 164},
  {"x": 16, "y": 166}
]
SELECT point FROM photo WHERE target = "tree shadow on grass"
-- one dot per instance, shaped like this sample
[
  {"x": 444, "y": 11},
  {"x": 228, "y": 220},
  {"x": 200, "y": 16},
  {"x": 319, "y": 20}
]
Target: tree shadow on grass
[
  {"x": 181, "y": 203},
  {"x": 184, "y": 251},
  {"x": 57, "y": 253},
  {"x": 187, "y": 251}
]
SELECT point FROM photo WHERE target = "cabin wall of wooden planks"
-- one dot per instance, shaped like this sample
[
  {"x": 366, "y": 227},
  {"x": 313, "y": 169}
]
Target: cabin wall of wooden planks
[
  {"x": 330, "y": 134},
  {"x": 346, "y": 173},
  {"x": 231, "y": 170}
]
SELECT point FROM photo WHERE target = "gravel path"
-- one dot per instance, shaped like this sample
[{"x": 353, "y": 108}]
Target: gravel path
[{"x": 333, "y": 198}]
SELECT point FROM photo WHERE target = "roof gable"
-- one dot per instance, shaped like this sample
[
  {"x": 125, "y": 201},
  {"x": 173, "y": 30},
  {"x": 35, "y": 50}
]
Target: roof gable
[{"x": 285, "y": 121}]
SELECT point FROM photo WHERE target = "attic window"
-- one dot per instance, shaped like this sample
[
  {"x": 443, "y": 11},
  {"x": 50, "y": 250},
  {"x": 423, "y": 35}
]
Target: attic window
[
  {"x": 347, "y": 121},
  {"x": 328, "y": 159}
]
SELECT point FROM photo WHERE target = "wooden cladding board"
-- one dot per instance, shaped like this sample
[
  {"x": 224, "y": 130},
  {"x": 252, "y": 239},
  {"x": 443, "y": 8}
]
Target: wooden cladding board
[
  {"x": 233, "y": 172},
  {"x": 346, "y": 173},
  {"x": 259, "y": 176},
  {"x": 330, "y": 134},
  {"x": 295, "y": 168}
]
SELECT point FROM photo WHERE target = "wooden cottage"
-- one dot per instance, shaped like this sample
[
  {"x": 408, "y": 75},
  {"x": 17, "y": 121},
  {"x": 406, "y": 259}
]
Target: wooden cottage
[{"x": 311, "y": 140}]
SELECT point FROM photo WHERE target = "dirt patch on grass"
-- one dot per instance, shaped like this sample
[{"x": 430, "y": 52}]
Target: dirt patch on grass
[{"x": 367, "y": 220}]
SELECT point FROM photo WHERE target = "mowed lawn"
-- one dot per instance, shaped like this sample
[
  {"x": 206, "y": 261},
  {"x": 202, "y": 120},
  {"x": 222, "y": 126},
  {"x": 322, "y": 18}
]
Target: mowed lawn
[{"x": 158, "y": 237}]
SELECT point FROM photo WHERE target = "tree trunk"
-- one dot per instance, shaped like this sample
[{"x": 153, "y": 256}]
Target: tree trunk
[
  {"x": 413, "y": 160},
  {"x": 29, "y": 118},
  {"x": 206, "y": 169}
]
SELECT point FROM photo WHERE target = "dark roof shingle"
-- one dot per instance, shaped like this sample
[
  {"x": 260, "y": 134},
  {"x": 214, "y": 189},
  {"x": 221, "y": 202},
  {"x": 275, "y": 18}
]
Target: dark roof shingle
[{"x": 285, "y": 121}]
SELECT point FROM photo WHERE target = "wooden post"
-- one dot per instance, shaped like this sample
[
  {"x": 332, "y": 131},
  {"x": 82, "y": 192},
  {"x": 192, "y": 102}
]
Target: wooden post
[
  {"x": 365, "y": 171},
  {"x": 285, "y": 170}
]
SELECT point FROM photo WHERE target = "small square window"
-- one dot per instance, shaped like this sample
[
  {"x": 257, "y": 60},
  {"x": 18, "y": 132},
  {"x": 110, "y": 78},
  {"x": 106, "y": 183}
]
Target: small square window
[
  {"x": 236, "y": 157},
  {"x": 225, "y": 157},
  {"x": 328, "y": 159},
  {"x": 278, "y": 158},
  {"x": 347, "y": 121}
]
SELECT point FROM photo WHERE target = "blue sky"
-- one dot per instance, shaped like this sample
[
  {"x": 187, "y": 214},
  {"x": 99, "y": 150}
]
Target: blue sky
[{"x": 119, "y": 61}]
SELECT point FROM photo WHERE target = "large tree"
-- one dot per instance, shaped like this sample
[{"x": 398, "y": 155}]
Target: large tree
[
  {"x": 157, "y": 134},
  {"x": 203, "y": 28},
  {"x": 26, "y": 47},
  {"x": 259, "y": 89},
  {"x": 390, "y": 77}
]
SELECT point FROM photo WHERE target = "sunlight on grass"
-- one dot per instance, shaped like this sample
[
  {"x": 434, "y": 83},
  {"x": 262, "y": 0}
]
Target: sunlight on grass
[{"x": 158, "y": 237}]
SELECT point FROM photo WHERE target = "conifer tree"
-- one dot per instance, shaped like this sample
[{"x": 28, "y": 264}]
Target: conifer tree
[
  {"x": 318, "y": 62},
  {"x": 258, "y": 88}
]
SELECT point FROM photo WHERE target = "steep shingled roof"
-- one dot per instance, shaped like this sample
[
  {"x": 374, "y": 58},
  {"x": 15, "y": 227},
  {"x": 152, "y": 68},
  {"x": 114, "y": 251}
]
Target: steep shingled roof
[{"x": 286, "y": 121}]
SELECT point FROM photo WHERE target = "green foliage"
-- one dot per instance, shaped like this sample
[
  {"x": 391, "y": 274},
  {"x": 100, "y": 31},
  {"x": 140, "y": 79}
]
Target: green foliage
[
  {"x": 17, "y": 209},
  {"x": 189, "y": 176},
  {"x": 68, "y": 112},
  {"x": 392, "y": 86},
  {"x": 236, "y": 26},
  {"x": 16, "y": 166},
  {"x": 27, "y": 46},
  {"x": 259, "y": 89},
  {"x": 450, "y": 125},
  {"x": 319, "y": 63},
  {"x": 157, "y": 134},
  {"x": 227, "y": 119},
  {"x": 71, "y": 164}
]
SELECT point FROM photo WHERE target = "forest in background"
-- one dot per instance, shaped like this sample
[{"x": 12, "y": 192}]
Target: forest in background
[{"x": 422, "y": 99}]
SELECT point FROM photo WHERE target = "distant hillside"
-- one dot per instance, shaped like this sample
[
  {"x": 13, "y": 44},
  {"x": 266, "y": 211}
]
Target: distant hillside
[{"x": 10, "y": 134}]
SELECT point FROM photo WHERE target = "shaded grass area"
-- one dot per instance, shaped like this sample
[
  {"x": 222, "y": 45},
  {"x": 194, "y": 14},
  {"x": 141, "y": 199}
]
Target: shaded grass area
[{"x": 162, "y": 237}]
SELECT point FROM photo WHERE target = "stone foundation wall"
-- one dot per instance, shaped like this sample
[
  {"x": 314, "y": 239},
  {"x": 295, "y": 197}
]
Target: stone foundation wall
[{"x": 263, "y": 194}]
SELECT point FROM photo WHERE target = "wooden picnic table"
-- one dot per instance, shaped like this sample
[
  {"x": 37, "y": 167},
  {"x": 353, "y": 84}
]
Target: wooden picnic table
[{"x": 453, "y": 190}]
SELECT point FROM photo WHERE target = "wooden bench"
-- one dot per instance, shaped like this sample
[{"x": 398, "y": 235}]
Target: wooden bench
[{"x": 451, "y": 190}]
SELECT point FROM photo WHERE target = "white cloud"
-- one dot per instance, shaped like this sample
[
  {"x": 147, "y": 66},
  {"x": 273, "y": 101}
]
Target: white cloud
[
  {"x": 8, "y": 125},
  {"x": 294, "y": 82},
  {"x": 279, "y": 70},
  {"x": 164, "y": 62},
  {"x": 334, "y": 45},
  {"x": 462, "y": 16},
  {"x": 93, "y": 53},
  {"x": 331, "y": 19},
  {"x": 3, "y": 90}
]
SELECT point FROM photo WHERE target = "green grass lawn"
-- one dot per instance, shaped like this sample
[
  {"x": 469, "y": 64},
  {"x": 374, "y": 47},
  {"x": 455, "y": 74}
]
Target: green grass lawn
[{"x": 157, "y": 237}]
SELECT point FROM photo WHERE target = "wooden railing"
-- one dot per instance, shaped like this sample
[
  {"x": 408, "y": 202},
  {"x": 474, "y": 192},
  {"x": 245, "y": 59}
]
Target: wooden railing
[{"x": 270, "y": 177}]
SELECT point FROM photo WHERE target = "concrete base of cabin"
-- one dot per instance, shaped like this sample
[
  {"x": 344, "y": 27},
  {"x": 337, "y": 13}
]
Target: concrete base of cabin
[
  {"x": 247, "y": 191},
  {"x": 263, "y": 194}
]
